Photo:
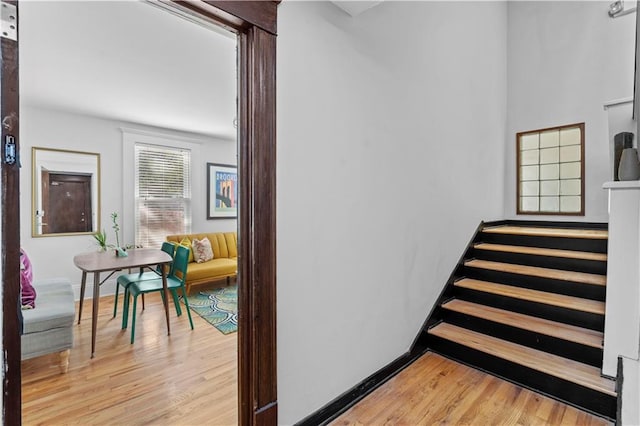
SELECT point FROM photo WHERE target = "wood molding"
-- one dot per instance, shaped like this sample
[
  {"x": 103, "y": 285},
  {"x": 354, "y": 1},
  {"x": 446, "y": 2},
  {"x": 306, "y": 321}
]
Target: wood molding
[
  {"x": 10, "y": 238},
  {"x": 236, "y": 15},
  {"x": 257, "y": 253},
  {"x": 254, "y": 21}
]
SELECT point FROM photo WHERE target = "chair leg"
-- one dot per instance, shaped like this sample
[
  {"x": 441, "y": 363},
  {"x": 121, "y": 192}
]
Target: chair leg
[
  {"x": 176, "y": 301},
  {"x": 133, "y": 318},
  {"x": 125, "y": 309},
  {"x": 115, "y": 302},
  {"x": 186, "y": 303},
  {"x": 143, "y": 301}
]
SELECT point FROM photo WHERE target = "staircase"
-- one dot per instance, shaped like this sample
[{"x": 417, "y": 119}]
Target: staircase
[{"x": 526, "y": 303}]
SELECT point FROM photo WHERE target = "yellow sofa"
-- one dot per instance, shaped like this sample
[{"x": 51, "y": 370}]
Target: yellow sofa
[{"x": 225, "y": 258}]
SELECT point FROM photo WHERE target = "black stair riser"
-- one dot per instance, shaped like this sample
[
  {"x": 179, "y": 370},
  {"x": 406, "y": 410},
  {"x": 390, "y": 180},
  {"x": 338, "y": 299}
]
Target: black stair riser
[
  {"x": 566, "y": 264},
  {"x": 548, "y": 224},
  {"x": 568, "y": 288},
  {"x": 542, "y": 310},
  {"x": 566, "y": 391},
  {"x": 564, "y": 348},
  {"x": 577, "y": 244}
]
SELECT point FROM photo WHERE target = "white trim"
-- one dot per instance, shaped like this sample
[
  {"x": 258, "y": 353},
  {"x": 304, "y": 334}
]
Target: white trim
[
  {"x": 165, "y": 135},
  {"x": 129, "y": 138},
  {"x": 622, "y": 184},
  {"x": 617, "y": 102}
]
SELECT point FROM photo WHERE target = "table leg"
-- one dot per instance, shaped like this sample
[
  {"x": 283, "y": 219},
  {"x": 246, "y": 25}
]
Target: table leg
[
  {"x": 94, "y": 316},
  {"x": 82, "y": 286},
  {"x": 166, "y": 298}
]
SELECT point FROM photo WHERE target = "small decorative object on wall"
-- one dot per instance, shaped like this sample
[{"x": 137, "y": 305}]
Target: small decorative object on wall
[{"x": 222, "y": 191}]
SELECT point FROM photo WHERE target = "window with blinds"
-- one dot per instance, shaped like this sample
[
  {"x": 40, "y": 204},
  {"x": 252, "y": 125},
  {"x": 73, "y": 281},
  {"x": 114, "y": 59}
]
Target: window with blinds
[{"x": 162, "y": 193}]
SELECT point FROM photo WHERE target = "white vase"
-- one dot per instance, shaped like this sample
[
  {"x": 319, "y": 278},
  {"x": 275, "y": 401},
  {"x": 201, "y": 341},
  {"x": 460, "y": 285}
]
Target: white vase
[{"x": 629, "y": 168}]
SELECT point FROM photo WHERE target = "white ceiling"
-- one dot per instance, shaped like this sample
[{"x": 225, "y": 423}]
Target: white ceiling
[
  {"x": 356, "y": 7},
  {"x": 127, "y": 61}
]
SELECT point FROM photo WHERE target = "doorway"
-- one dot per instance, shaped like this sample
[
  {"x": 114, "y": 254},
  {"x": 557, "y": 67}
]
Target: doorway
[
  {"x": 254, "y": 22},
  {"x": 66, "y": 202}
]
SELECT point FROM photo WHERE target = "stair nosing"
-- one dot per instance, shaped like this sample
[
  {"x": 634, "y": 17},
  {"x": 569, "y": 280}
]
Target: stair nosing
[
  {"x": 533, "y": 355},
  {"x": 534, "y": 295},
  {"x": 541, "y": 251},
  {"x": 568, "y": 329},
  {"x": 539, "y": 272},
  {"x": 591, "y": 234}
]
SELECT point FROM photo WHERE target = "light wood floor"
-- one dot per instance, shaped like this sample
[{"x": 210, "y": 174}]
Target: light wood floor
[
  {"x": 435, "y": 390},
  {"x": 190, "y": 378},
  {"x": 187, "y": 378}
]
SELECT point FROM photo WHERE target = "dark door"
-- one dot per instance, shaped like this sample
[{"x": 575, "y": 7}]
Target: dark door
[{"x": 69, "y": 203}]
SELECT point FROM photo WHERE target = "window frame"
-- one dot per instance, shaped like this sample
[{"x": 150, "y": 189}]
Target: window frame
[
  {"x": 519, "y": 135},
  {"x": 132, "y": 136},
  {"x": 186, "y": 201}
]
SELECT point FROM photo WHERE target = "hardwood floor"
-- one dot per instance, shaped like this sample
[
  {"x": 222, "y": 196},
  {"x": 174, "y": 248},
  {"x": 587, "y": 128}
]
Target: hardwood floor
[
  {"x": 187, "y": 378},
  {"x": 190, "y": 378},
  {"x": 436, "y": 390}
]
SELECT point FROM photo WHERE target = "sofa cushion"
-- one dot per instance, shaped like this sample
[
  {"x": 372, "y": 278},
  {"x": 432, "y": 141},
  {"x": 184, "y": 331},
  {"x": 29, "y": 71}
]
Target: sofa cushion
[
  {"x": 212, "y": 268},
  {"x": 187, "y": 243},
  {"x": 223, "y": 244},
  {"x": 56, "y": 308},
  {"x": 201, "y": 250}
]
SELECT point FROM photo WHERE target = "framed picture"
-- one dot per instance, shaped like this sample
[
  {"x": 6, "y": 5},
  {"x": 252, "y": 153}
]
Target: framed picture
[{"x": 222, "y": 191}]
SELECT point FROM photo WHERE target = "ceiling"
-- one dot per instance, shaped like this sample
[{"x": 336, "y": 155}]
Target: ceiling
[
  {"x": 128, "y": 61},
  {"x": 355, "y": 8}
]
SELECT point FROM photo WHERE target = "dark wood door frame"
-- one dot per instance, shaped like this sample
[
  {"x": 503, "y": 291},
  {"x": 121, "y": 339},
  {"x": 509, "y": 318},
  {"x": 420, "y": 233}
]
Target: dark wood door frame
[
  {"x": 255, "y": 24},
  {"x": 10, "y": 233}
]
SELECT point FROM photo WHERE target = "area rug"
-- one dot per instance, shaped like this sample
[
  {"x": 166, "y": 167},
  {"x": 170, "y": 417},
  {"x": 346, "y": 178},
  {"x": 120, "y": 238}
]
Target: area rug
[{"x": 219, "y": 307}]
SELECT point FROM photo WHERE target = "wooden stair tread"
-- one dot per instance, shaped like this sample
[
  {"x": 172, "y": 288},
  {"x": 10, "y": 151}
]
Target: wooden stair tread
[
  {"x": 538, "y": 251},
  {"x": 563, "y": 331},
  {"x": 563, "y": 368},
  {"x": 596, "y": 234},
  {"x": 559, "y": 300},
  {"x": 558, "y": 274}
]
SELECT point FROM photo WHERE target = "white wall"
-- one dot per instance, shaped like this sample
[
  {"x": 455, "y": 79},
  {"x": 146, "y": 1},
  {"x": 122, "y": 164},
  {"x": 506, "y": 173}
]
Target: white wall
[
  {"x": 565, "y": 60},
  {"x": 390, "y": 153},
  {"x": 53, "y": 256}
]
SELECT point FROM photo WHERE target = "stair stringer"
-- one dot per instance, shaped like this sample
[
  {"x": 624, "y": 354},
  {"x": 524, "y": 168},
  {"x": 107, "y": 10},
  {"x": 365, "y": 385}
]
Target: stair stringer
[{"x": 447, "y": 290}]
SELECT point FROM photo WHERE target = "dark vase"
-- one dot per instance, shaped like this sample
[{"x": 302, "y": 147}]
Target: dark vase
[
  {"x": 629, "y": 168},
  {"x": 621, "y": 141}
]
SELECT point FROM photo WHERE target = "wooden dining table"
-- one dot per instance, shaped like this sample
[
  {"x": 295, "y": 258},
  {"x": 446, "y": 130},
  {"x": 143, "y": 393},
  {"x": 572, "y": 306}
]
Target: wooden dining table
[{"x": 98, "y": 262}]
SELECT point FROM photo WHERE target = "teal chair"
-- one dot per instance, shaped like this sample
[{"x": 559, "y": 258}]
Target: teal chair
[
  {"x": 125, "y": 280},
  {"x": 175, "y": 281}
]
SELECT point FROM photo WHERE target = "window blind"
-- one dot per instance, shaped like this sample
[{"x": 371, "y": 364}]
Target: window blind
[{"x": 162, "y": 193}]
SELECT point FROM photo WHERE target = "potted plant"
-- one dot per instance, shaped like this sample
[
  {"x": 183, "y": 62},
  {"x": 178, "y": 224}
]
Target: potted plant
[{"x": 101, "y": 240}]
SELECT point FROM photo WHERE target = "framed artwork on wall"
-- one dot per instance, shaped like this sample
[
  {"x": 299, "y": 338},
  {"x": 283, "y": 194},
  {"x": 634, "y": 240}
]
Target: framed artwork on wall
[{"x": 222, "y": 191}]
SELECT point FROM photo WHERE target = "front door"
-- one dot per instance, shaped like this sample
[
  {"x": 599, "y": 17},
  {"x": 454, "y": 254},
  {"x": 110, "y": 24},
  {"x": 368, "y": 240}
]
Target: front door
[{"x": 66, "y": 201}]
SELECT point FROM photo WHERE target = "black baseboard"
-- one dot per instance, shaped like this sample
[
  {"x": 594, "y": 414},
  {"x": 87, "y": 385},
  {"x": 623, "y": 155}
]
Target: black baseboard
[
  {"x": 619, "y": 382},
  {"x": 348, "y": 399}
]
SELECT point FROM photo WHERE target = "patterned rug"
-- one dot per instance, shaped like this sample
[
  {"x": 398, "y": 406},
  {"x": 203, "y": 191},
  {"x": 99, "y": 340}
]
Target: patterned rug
[{"x": 219, "y": 307}]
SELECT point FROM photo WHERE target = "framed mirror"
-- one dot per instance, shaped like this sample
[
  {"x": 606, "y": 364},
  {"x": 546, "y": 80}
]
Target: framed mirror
[{"x": 65, "y": 192}]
